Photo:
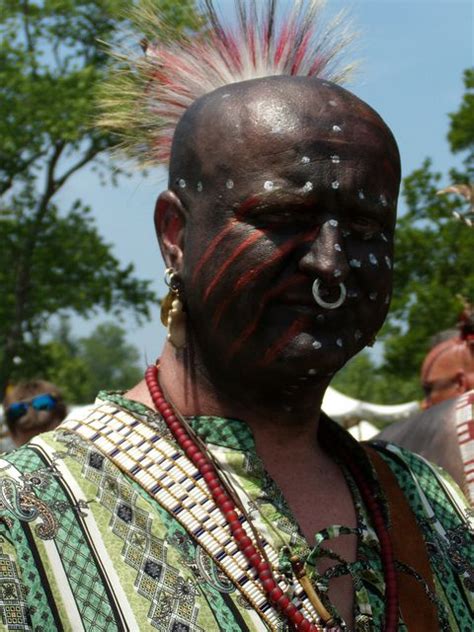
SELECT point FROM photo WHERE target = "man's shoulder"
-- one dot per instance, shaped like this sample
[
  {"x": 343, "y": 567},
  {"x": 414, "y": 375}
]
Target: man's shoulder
[{"x": 428, "y": 488}]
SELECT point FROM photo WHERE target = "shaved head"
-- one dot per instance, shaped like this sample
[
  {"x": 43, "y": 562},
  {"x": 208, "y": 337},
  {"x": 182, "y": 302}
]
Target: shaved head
[
  {"x": 277, "y": 183},
  {"x": 229, "y": 130}
]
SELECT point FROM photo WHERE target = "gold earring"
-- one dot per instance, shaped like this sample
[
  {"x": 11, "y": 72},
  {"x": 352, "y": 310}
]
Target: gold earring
[{"x": 172, "y": 313}]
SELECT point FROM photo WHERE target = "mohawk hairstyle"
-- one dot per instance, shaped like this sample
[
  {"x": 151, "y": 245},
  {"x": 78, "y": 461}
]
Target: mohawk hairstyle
[{"x": 148, "y": 93}]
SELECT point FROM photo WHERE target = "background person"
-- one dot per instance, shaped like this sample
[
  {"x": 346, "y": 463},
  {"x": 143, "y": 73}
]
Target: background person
[
  {"x": 448, "y": 369},
  {"x": 32, "y": 407}
]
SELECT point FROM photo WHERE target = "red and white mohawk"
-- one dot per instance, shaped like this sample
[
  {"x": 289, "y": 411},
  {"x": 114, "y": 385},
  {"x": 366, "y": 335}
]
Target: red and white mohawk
[{"x": 148, "y": 93}]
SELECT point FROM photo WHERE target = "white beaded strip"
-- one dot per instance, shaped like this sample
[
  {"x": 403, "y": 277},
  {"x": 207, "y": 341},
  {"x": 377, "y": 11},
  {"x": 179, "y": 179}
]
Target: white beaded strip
[{"x": 159, "y": 465}]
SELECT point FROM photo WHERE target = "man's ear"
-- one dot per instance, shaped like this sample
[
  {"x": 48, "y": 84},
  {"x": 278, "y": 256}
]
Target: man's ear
[{"x": 170, "y": 221}]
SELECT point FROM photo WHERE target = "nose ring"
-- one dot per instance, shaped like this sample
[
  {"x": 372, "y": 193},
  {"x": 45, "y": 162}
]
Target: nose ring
[{"x": 322, "y": 303}]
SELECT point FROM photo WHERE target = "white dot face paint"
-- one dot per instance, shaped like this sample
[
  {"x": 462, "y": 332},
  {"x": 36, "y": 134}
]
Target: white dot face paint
[
  {"x": 355, "y": 263},
  {"x": 308, "y": 187},
  {"x": 333, "y": 104},
  {"x": 305, "y": 160},
  {"x": 346, "y": 233},
  {"x": 337, "y": 274},
  {"x": 335, "y": 184},
  {"x": 338, "y": 247},
  {"x": 334, "y": 223},
  {"x": 383, "y": 236},
  {"x": 335, "y": 160},
  {"x": 388, "y": 261},
  {"x": 229, "y": 184},
  {"x": 361, "y": 195},
  {"x": 383, "y": 200},
  {"x": 320, "y": 318},
  {"x": 353, "y": 294},
  {"x": 387, "y": 300},
  {"x": 312, "y": 372},
  {"x": 373, "y": 259},
  {"x": 336, "y": 128},
  {"x": 357, "y": 334},
  {"x": 339, "y": 342},
  {"x": 317, "y": 344},
  {"x": 199, "y": 187},
  {"x": 268, "y": 186},
  {"x": 373, "y": 296},
  {"x": 182, "y": 183}
]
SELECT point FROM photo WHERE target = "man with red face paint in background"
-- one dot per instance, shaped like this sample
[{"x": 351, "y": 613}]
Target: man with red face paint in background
[
  {"x": 215, "y": 495},
  {"x": 444, "y": 432}
]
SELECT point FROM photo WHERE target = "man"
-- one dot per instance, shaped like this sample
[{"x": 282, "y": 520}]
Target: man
[
  {"x": 214, "y": 513},
  {"x": 444, "y": 432},
  {"x": 31, "y": 407},
  {"x": 448, "y": 369}
]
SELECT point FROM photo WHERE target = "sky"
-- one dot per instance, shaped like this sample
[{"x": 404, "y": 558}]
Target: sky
[{"x": 412, "y": 52}]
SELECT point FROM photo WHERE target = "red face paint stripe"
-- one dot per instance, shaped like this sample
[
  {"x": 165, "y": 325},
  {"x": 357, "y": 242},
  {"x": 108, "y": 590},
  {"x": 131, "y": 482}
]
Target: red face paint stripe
[
  {"x": 248, "y": 331},
  {"x": 249, "y": 276},
  {"x": 237, "y": 252},
  {"x": 283, "y": 341},
  {"x": 212, "y": 247}
]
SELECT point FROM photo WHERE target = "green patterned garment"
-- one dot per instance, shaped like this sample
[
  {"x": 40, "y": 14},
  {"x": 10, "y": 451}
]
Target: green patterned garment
[{"x": 84, "y": 547}]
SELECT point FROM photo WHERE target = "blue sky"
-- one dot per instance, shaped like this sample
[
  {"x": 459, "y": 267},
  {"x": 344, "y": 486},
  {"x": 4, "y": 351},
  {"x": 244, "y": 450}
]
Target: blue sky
[{"x": 413, "y": 54}]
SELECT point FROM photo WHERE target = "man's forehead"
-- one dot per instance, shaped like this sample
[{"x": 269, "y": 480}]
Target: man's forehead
[{"x": 274, "y": 119}]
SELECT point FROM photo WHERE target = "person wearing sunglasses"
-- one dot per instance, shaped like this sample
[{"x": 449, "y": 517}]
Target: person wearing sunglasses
[{"x": 31, "y": 408}]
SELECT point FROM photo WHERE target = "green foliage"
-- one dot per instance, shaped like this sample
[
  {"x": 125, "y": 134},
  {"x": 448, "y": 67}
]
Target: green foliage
[
  {"x": 461, "y": 133},
  {"x": 81, "y": 367},
  {"x": 434, "y": 256},
  {"x": 52, "y": 60}
]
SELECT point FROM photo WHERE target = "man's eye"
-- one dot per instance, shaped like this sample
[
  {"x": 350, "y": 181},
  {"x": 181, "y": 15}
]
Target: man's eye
[
  {"x": 368, "y": 227},
  {"x": 276, "y": 219}
]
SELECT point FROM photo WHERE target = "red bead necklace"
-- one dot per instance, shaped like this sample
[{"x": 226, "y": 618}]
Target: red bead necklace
[{"x": 227, "y": 507}]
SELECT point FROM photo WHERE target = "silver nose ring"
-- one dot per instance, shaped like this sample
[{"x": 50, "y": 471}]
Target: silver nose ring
[{"x": 322, "y": 303}]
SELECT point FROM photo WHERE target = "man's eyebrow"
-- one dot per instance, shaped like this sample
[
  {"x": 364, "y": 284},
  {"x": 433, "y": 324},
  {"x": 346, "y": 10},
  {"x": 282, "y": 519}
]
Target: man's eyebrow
[{"x": 273, "y": 198}]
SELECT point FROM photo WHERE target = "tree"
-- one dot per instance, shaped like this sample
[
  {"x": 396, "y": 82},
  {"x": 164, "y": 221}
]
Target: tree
[
  {"x": 81, "y": 367},
  {"x": 51, "y": 63},
  {"x": 434, "y": 268}
]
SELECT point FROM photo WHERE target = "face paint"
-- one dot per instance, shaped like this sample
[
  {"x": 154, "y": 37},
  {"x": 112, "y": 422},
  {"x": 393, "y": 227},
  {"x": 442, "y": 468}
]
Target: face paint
[
  {"x": 212, "y": 247},
  {"x": 255, "y": 236},
  {"x": 246, "y": 279},
  {"x": 373, "y": 259},
  {"x": 279, "y": 345},
  {"x": 249, "y": 241}
]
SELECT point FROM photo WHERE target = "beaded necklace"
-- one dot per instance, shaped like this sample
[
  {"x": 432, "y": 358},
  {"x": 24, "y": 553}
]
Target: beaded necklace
[{"x": 225, "y": 501}]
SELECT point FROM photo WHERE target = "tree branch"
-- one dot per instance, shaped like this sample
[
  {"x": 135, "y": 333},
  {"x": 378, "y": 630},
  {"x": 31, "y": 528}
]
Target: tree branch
[
  {"x": 8, "y": 182},
  {"x": 89, "y": 155}
]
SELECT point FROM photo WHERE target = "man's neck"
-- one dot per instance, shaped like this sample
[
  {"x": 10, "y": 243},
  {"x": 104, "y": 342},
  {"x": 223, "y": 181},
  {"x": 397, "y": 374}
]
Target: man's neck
[{"x": 286, "y": 420}]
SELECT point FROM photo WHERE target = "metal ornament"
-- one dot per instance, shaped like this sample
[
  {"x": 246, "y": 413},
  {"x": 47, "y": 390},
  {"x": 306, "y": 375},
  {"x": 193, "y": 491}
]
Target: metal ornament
[
  {"x": 322, "y": 303},
  {"x": 172, "y": 313}
]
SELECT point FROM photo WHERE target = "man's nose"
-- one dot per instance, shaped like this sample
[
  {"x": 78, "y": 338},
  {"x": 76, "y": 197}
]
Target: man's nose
[{"x": 326, "y": 258}]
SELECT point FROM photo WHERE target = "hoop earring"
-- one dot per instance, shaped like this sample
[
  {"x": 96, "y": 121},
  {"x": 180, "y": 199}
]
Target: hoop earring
[
  {"x": 322, "y": 303},
  {"x": 172, "y": 313}
]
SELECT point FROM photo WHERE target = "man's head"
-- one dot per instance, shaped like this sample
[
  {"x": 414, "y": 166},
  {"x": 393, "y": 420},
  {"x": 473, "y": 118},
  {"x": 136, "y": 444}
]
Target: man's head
[
  {"x": 275, "y": 183},
  {"x": 447, "y": 371},
  {"x": 31, "y": 408}
]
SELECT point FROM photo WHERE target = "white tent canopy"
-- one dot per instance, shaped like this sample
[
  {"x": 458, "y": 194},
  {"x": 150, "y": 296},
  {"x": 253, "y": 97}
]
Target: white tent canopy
[{"x": 349, "y": 411}]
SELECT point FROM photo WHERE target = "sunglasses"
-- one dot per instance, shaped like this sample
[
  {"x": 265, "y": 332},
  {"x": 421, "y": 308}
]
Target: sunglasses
[{"x": 46, "y": 401}]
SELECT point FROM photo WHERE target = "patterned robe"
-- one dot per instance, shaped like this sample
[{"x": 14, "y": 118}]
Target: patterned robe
[{"x": 83, "y": 546}]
